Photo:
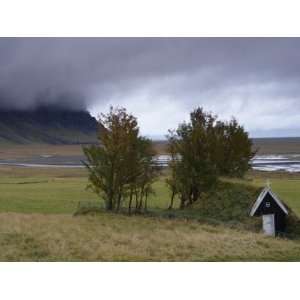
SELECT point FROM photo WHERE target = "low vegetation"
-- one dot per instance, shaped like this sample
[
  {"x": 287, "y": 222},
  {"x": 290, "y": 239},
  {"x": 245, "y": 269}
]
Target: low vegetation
[
  {"x": 111, "y": 237},
  {"x": 228, "y": 202}
]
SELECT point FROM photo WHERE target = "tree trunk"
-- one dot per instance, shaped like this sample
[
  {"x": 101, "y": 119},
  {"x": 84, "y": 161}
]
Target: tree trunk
[
  {"x": 136, "y": 201},
  {"x": 146, "y": 202},
  {"x": 190, "y": 201},
  {"x": 182, "y": 202},
  {"x": 172, "y": 201},
  {"x": 119, "y": 200},
  {"x": 130, "y": 202},
  {"x": 140, "y": 203},
  {"x": 109, "y": 205},
  {"x": 141, "y": 200}
]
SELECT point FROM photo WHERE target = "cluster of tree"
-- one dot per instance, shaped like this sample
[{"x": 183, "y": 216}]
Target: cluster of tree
[
  {"x": 201, "y": 151},
  {"x": 120, "y": 167}
]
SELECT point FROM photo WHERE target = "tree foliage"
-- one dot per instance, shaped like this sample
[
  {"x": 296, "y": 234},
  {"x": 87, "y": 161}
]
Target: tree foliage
[
  {"x": 120, "y": 167},
  {"x": 201, "y": 151}
]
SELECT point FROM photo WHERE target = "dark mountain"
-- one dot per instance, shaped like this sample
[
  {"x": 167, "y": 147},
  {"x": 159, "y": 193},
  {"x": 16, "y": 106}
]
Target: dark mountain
[{"x": 52, "y": 125}]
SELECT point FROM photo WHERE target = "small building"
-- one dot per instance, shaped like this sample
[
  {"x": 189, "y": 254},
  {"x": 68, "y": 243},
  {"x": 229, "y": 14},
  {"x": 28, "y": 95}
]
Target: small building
[{"x": 272, "y": 210}]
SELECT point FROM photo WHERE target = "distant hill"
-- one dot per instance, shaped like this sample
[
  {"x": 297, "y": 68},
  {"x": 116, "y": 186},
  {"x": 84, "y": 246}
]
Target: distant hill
[{"x": 51, "y": 125}]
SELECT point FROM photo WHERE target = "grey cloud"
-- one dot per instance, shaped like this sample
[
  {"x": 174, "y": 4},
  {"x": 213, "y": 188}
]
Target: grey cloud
[{"x": 230, "y": 75}]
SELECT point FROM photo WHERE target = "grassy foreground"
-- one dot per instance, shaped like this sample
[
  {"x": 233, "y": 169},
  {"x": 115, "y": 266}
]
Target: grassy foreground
[
  {"x": 37, "y": 224},
  {"x": 108, "y": 237}
]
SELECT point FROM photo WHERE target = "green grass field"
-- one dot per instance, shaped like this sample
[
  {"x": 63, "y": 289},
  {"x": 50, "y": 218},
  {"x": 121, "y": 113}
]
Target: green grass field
[
  {"x": 37, "y": 224},
  {"x": 28, "y": 190}
]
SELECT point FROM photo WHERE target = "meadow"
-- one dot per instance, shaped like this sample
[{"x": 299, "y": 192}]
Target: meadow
[
  {"x": 61, "y": 190},
  {"x": 111, "y": 237},
  {"x": 37, "y": 221}
]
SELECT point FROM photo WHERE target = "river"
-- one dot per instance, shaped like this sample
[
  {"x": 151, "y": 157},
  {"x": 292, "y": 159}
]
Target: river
[{"x": 270, "y": 163}]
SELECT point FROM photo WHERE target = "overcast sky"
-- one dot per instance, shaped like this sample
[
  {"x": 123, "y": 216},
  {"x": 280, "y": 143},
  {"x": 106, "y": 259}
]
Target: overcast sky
[{"x": 160, "y": 80}]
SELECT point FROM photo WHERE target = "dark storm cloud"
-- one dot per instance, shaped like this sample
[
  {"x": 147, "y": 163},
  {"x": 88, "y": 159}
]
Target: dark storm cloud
[{"x": 221, "y": 73}]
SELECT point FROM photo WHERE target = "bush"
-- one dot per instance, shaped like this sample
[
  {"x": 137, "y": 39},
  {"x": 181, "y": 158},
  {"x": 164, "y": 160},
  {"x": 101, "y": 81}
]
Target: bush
[
  {"x": 227, "y": 201},
  {"x": 292, "y": 226},
  {"x": 88, "y": 207}
]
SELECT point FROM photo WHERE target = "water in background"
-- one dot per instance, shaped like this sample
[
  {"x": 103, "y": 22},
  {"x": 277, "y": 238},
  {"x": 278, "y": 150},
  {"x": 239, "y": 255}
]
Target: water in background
[
  {"x": 288, "y": 163},
  {"x": 270, "y": 163}
]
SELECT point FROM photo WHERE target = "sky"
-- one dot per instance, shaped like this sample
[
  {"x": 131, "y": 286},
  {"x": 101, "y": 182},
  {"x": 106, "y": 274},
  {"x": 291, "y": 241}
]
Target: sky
[{"x": 159, "y": 80}]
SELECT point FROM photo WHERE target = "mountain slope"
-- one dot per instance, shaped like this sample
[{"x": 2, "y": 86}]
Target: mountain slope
[{"x": 49, "y": 125}]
